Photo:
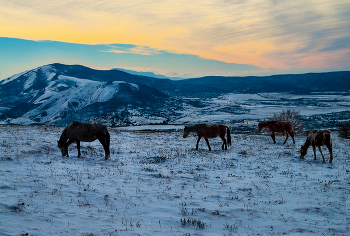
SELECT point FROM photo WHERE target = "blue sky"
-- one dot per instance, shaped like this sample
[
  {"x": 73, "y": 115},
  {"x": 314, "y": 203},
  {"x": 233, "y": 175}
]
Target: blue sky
[{"x": 18, "y": 55}]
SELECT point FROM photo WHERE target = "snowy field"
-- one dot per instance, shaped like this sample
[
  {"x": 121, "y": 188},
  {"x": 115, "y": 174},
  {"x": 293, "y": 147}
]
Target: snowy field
[
  {"x": 156, "y": 183},
  {"x": 231, "y": 108}
]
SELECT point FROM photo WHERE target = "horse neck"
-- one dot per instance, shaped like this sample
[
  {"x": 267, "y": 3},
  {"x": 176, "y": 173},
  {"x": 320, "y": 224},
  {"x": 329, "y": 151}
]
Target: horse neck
[
  {"x": 307, "y": 143},
  {"x": 264, "y": 124},
  {"x": 192, "y": 128},
  {"x": 63, "y": 137}
]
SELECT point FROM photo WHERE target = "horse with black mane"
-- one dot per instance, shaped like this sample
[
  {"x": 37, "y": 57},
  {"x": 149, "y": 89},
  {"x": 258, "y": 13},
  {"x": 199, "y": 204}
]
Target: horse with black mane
[
  {"x": 209, "y": 131},
  {"x": 277, "y": 127},
  {"x": 318, "y": 138},
  {"x": 84, "y": 132}
]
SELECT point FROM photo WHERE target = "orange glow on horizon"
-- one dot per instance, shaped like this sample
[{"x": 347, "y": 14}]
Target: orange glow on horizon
[{"x": 249, "y": 36}]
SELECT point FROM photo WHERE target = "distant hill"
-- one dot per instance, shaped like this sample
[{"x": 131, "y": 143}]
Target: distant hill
[
  {"x": 148, "y": 74},
  {"x": 293, "y": 83}
]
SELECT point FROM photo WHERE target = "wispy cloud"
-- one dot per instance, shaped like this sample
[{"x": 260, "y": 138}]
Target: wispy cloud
[
  {"x": 134, "y": 49},
  {"x": 266, "y": 33}
]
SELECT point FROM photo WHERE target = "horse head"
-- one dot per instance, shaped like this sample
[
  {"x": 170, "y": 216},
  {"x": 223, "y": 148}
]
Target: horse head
[
  {"x": 303, "y": 151},
  {"x": 186, "y": 132},
  {"x": 63, "y": 147}
]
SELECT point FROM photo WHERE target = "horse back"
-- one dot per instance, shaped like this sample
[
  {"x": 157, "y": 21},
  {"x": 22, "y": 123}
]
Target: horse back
[
  {"x": 86, "y": 132},
  {"x": 210, "y": 131},
  {"x": 281, "y": 127},
  {"x": 320, "y": 137}
]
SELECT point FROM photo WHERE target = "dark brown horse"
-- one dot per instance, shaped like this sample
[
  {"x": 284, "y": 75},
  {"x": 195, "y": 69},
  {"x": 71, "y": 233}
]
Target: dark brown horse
[
  {"x": 78, "y": 131},
  {"x": 318, "y": 138},
  {"x": 277, "y": 127},
  {"x": 209, "y": 131}
]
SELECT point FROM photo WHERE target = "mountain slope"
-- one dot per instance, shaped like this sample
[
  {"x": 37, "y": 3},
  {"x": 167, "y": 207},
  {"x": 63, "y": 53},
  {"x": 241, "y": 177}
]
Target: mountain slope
[{"x": 47, "y": 95}]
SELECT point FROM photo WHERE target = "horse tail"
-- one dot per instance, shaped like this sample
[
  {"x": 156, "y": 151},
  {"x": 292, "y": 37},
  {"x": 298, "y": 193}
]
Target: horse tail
[
  {"x": 108, "y": 138},
  {"x": 106, "y": 145},
  {"x": 228, "y": 136},
  {"x": 327, "y": 137}
]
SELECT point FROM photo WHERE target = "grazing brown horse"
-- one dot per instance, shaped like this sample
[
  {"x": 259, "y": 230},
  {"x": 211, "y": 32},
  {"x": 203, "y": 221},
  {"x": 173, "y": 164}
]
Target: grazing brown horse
[
  {"x": 318, "y": 138},
  {"x": 277, "y": 127},
  {"x": 209, "y": 131},
  {"x": 78, "y": 131}
]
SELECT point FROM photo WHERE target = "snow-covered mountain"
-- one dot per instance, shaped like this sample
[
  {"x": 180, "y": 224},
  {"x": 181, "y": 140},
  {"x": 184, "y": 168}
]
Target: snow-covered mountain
[
  {"x": 49, "y": 95},
  {"x": 57, "y": 94}
]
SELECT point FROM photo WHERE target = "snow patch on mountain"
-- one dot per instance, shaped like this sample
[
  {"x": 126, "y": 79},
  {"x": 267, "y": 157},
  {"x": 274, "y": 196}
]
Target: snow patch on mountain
[
  {"x": 71, "y": 94},
  {"x": 12, "y": 78}
]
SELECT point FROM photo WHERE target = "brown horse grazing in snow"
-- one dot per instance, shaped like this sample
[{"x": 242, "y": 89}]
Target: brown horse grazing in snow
[
  {"x": 209, "y": 131},
  {"x": 277, "y": 127},
  {"x": 78, "y": 131},
  {"x": 318, "y": 138}
]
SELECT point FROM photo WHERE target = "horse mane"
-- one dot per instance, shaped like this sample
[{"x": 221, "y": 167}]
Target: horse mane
[
  {"x": 64, "y": 134},
  {"x": 266, "y": 123}
]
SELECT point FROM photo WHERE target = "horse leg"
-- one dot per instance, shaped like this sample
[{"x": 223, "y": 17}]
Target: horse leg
[
  {"x": 314, "y": 149},
  {"x": 286, "y": 138},
  {"x": 78, "y": 146},
  {"x": 199, "y": 138},
  {"x": 225, "y": 143},
  {"x": 319, "y": 148},
  {"x": 329, "y": 146},
  {"x": 208, "y": 143},
  {"x": 292, "y": 135},
  {"x": 67, "y": 144},
  {"x": 107, "y": 152},
  {"x": 273, "y": 137}
]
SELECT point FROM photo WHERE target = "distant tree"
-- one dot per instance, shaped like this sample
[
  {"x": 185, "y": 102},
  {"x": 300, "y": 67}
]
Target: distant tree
[
  {"x": 344, "y": 131},
  {"x": 290, "y": 116}
]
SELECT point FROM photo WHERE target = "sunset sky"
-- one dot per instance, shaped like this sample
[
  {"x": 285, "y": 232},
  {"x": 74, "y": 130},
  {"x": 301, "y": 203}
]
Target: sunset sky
[{"x": 177, "y": 38}]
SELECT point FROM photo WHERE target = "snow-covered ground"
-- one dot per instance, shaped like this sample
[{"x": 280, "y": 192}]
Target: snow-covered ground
[
  {"x": 156, "y": 184},
  {"x": 231, "y": 108}
]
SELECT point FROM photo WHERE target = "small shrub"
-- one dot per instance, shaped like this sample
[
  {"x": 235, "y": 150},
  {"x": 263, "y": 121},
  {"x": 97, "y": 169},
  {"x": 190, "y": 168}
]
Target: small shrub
[
  {"x": 196, "y": 223},
  {"x": 292, "y": 117},
  {"x": 232, "y": 228},
  {"x": 344, "y": 131}
]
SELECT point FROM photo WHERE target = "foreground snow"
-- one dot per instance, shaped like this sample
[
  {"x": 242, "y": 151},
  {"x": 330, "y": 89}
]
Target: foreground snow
[{"x": 157, "y": 184}]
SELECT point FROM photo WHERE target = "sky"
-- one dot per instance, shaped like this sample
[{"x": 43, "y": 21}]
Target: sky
[{"x": 177, "y": 38}]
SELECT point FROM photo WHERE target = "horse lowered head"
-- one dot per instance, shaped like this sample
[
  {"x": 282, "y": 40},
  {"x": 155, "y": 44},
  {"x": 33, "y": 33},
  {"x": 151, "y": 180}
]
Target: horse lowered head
[
  {"x": 260, "y": 127},
  {"x": 264, "y": 124},
  {"x": 186, "y": 132},
  {"x": 63, "y": 147},
  {"x": 303, "y": 151}
]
